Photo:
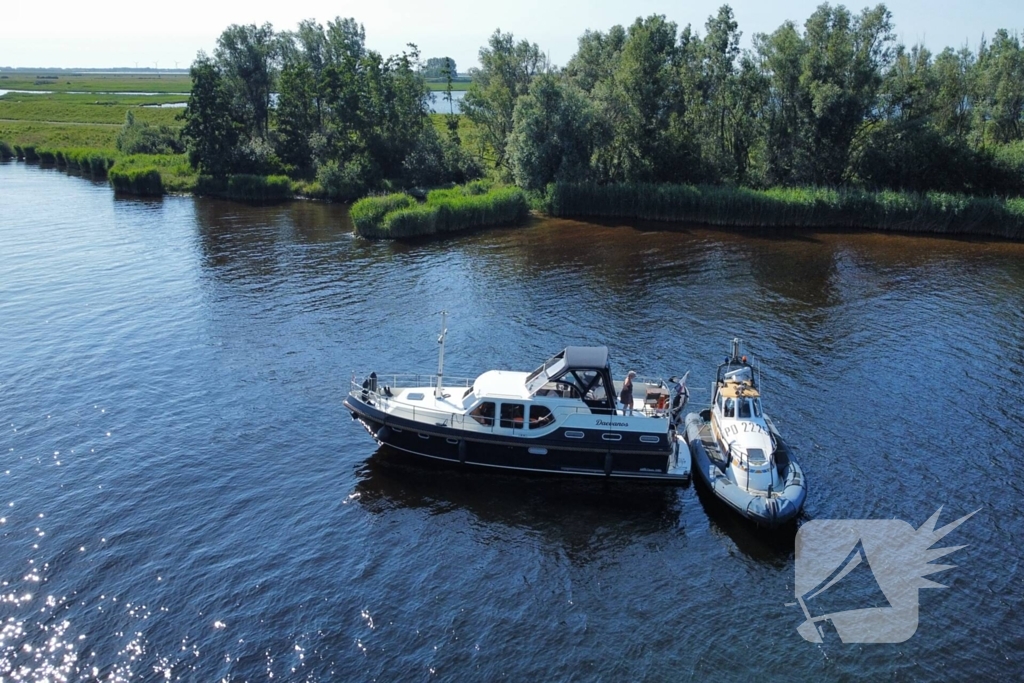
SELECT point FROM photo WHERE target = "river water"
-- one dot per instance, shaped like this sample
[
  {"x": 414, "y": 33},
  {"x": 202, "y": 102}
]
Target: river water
[{"x": 183, "y": 496}]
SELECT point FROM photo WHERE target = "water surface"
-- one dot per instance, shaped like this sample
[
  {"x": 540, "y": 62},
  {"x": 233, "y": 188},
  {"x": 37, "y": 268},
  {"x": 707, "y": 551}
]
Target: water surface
[{"x": 182, "y": 494}]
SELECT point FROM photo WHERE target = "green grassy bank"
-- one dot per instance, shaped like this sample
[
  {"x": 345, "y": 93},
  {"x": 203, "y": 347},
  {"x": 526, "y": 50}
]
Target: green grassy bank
[
  {"x": 399, "y": 216},
  {"x": 819, "y": 208}
]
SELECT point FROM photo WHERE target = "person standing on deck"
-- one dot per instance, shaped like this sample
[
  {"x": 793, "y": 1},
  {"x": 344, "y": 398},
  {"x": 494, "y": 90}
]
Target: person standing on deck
[{"x": 626, "y": 395}]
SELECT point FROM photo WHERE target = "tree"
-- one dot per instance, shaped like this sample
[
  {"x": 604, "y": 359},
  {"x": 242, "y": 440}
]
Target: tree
[
  {"x": 637, "y": 104},
  {"x": 436, "y": 67},
  {"x": 1001, "y": 67},
  {"x": 506, "y": 70},
  {"x": 955, "y": 74},
  {"x": 211, "y": 134},
  {"x": 841, "y": 74},
  {"x": 247, "y": 57},
  {"x": 298, "y": 119},
  {"x": 552, "y": 137},
  {"x": 780, "y": 58}
]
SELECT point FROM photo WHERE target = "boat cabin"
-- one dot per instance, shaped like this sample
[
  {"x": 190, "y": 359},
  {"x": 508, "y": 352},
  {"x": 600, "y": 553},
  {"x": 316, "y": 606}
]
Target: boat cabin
[{"x": 579, "y": 372}]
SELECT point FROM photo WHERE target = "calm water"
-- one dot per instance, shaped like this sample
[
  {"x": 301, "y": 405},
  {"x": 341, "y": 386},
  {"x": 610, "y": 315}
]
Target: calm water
[{"x": 183, "y": 497}]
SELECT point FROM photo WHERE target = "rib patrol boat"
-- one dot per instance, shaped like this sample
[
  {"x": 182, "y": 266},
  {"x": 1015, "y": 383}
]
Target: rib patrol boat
[
  {"x": 562, "y": 418},
  {"x": 739, "y": 453}
]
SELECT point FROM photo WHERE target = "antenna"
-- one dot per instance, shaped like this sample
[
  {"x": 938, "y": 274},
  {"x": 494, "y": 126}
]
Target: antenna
[{"x": 439, "y": 390}]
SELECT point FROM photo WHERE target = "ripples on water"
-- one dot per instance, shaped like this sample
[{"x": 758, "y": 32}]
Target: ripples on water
[{"x": 183, "y": 496}]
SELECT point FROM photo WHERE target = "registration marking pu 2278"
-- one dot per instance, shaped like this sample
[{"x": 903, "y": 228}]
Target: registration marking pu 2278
[{"x": 746, "y": 427}]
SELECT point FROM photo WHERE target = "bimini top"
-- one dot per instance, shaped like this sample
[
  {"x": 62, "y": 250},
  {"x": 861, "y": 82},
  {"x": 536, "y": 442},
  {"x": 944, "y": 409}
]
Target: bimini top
[{"x": 572, "y": 358}]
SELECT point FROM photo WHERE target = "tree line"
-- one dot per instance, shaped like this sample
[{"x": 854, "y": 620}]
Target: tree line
[
  {"x": 316, "y": 103},
  {"x": 835, "y": 102}
]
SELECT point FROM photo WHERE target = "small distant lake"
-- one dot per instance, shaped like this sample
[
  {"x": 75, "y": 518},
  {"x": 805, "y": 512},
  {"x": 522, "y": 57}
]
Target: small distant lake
[{"x": 439, "y": 106}]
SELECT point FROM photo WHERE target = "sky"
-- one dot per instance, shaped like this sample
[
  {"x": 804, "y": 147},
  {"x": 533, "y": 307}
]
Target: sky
[{"x": 119, "y": 33}]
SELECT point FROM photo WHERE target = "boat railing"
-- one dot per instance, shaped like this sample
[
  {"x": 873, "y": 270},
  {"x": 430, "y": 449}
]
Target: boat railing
[
  {"x": 411, "y": 380},
  {"x": 379, "y": 394}
]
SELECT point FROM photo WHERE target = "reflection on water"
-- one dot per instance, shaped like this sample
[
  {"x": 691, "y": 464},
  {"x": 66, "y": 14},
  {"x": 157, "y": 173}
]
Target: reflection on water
[
  {"x": 570, "y": 515},
  {"x": 183, "y": 495}
]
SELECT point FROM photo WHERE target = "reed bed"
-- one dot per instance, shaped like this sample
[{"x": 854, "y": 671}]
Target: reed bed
[
  {"x": 144, "y": 181},
  {"x": 87, "y": 161},
  {"x": 6, "y": 151},
  {"x": 820, "y": 208},
  {"x": 251, "y": 189},
  {"x": 368, "y": 213},
  {"x": 399, "y": 216}
]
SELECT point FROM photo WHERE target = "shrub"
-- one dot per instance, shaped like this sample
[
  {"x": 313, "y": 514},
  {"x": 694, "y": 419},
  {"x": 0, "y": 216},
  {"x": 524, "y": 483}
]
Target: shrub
[
  {"x": 141, "y": 181},
  {"x": 349, "y": 181},
  {"x": 6, "y": 151},
  {"x": 435, "y": 161},
  {"x": 29, "y": 153},
  {"x": 139, "y": 137},
  {"x": 46, "y": 156}
]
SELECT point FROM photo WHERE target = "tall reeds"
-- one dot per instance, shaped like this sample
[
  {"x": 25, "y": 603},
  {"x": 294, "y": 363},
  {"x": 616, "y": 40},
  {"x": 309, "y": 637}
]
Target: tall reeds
[
  {"x": 252, "y": 189},
  {"x": 399, "y": 215},
  {"x": 144, "y": 181},
  {"x": 934, "y": 212}
]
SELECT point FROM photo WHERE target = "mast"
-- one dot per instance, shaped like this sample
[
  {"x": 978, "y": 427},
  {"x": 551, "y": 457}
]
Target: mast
[{"x": 439, "y": 390}]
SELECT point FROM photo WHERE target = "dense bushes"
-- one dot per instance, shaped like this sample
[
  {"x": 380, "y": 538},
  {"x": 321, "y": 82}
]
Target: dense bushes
[
  {"x": 792, "y": 207},
  {"x": 6, "y": 151},
  {"x": 398, "y": 216},
  {"x": 252, "y": 189},
  {"x": 145, "y": 181},
  {"x": 139, "y": 137}
]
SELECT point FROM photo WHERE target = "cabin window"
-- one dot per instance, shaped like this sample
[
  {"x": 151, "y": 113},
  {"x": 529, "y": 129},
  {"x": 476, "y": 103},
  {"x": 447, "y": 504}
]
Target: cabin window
[
  {"x": 540, "y": 416},
  {"x": 744, "y": 408},
  {"x": 512, "y": 415},
  {"x": 730, "y": 408},
  {"x": 484, "y": 414},
  {"x": 757, "y": 407}
]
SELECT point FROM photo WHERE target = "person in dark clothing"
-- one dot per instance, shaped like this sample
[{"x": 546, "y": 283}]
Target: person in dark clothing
[{"x": 626, "y": 395}]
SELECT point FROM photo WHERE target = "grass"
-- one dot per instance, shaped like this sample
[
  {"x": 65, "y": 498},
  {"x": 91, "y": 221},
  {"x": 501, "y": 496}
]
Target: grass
[
  {"x": 367, "y": 214},
  {"x": 441, "y": 85},
  {"x": 109, "y": 109},
  {"x": 61, "y": 80},
  {"x": 175, "y": 172},
  {"x": 933, "y": 212},
  {"x": 461, "y": 208}
]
